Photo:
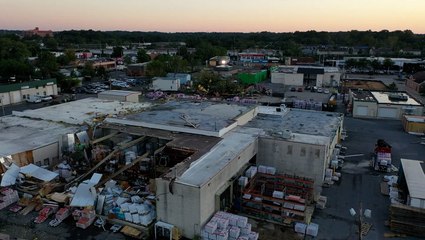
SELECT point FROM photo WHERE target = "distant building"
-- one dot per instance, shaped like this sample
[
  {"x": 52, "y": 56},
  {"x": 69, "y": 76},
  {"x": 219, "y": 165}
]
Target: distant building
[
  {"x": 165, "y": 84},
  {"x": 416, "y": 82},
  {"x": 20, "y": 92},
  {"x": 306, "y": 75},
  {"x": 37, "y": 32},
  {"x": 137, "y": 69},
  {"x": 385, "y": 105}
]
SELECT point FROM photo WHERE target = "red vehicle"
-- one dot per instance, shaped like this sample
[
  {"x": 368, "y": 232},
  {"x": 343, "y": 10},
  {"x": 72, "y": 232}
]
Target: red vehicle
[
  {"x": 381, "y": 160},
  {"x": 45, "y": 213}
]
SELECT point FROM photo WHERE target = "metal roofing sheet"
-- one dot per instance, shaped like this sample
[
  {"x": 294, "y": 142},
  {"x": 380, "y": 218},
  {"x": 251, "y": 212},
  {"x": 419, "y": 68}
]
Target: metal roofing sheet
[
  {"x": 415, "y": 177},
  {"x": 38, "y": 172}
]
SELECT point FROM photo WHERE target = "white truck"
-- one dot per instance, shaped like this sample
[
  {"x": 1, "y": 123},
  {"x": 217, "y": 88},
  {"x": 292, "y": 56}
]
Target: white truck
[{"x": 34, "y": 99}]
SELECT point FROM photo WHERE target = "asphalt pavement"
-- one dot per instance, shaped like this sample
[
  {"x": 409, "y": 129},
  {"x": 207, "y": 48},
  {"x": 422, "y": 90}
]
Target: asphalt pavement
[{"x": 359, "y": 184}]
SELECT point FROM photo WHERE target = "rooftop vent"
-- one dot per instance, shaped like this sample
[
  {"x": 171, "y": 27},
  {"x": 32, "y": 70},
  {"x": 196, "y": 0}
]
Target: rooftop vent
[{"x": 397, "y": 97}]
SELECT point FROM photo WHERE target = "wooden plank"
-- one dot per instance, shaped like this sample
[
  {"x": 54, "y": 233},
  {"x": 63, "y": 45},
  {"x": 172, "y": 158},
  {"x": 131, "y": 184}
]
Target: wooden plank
[
  {"x": 123, "y": 169},
  {"x": 107, "y": 158},
  {"x": 103, "y": 138}
]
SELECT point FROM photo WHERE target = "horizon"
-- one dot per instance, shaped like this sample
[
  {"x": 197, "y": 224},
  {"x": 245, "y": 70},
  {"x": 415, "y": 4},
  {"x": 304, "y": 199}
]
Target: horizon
[
  {"x": 237, "y": 16},
  {"x": 151, "y": 31}
]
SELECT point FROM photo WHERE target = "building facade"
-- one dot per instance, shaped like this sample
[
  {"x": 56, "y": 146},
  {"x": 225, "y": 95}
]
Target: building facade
[{"x": 20, "y": 92}]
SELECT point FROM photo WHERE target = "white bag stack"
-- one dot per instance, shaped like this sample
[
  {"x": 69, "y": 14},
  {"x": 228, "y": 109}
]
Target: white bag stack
[
  {"x": 262, "y": 169},
  {"x": 250, "y": 173},
  {"x": 227, "y": 226},
  {"x": 243, "y": 181},
  {"x": 313, "y": 229},
  {"x": 300, "y": 228},
  {"x": 271, "y": 170},
  {"x": 278, "y": 194}
]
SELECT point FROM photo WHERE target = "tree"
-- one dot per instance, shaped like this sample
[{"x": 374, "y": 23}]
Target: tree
[
  {"x": 88, "y": 70},
  {"x": 50, "y": 43},
  {"x": 101, "y": 72},
  {"x": 387, "y": 64},
  {"x": 47, "y": 64},
  {"x": 142, "y": 56},
  {"x": 156, "y": 68},
  {"x": 392, "y": 87},
  {"x": 117, "y": 52}
]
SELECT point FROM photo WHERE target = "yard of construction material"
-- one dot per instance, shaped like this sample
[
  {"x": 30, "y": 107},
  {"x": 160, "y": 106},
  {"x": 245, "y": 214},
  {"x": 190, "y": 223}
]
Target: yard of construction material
[{"x": 360, "y": 184}]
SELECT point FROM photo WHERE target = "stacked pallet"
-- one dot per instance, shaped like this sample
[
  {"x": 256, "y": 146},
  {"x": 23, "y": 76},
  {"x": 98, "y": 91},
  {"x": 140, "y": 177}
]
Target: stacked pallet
[
  {"x": 227, "y": 226},
  {"x": 7, "y": 197},
  {"x": 407, "y": 220}
]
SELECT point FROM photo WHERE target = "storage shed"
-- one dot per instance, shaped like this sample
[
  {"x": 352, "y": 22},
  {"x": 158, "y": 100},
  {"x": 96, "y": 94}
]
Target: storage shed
[
  {"x": 120, "y": 95},
  {"x": 414, "y": 124}
]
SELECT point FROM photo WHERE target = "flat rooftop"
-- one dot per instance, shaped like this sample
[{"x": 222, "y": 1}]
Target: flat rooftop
[
  {"x": 82, "y": 111},
  {"x": 203, "y": 118},
  {"x": 298, "y": 121},
  {"x": 415, "y": 177},
  {"x": 383, "y": 98},
  {"x": 365, "y": 84},
  {"x": 219, "y": 157},
  {"x": 363, "y": 95},
  {"x": 23, "y": 134}
]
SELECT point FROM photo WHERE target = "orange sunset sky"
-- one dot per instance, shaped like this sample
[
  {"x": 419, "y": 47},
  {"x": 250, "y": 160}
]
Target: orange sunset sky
[{"x": 214, "y": 16}]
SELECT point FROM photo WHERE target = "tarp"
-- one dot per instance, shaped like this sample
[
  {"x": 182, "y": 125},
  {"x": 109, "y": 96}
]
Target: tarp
[
  {"x": 10, "y": 176},
  {"x": 38, "y": 172}
]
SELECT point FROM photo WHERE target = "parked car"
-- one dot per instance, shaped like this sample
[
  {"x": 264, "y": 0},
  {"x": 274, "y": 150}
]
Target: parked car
[
  {"x": 34, "y": 99},
  {"x": 319, "y": 90},
  {"x": 46, "y": 98},
  {"x": 314, "y": 89},
  {"x": 300, "y": 89},
  {"x": 326, "y": 91},
  {"x": 293, "y": 89},
  {"x": 307, "y": 87}
]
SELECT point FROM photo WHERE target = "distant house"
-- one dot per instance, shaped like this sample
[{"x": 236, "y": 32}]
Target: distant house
[
  {"x": 184, "y": 78},
  {"x": 20, "y": 92},
  {"x": 37, "y": 32},
  {"x": 137, "y": 69},
  {"x": 416, "y": 82},
  {"x": 165, "y": 84}
]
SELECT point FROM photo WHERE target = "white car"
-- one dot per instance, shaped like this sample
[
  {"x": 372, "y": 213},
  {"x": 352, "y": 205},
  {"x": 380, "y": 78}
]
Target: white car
[
  {"x": 45, "y": 98},
  {"x": 326, "y": 91}
]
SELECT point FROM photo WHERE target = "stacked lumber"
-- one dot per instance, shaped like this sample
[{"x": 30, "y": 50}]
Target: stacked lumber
[{"x": 407, "y": 220}]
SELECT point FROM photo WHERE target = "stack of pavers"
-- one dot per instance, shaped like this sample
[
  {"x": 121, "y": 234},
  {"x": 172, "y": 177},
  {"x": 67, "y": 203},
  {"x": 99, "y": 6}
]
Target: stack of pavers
[
  {"x": 7, "y": 197},
  {"x": 227, "y": 226}
]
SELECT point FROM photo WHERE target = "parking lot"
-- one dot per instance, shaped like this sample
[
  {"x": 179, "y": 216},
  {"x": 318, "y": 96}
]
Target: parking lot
[{"x": 359, "y": 184}]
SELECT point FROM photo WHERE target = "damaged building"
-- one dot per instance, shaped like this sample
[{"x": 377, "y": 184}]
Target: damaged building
[{"x": 185, "y": 158}]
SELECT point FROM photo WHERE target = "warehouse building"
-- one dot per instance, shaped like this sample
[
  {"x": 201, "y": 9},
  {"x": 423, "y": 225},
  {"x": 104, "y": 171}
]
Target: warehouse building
[
  {"x": 306, "y": 76},
  {"x": 386, "y": 105},
  {"x": 204, "y": 147},
  {"x": 20, "y": 92},
  {"x": 120, "y": 95}
]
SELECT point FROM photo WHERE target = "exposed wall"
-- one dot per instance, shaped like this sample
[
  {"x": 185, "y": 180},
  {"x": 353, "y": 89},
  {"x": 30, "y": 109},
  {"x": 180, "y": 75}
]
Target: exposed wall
[
  {"x": 371, "y": 106},
  {"x": 287, "y": 157},
  {"x": 328, "y": 79},
  {"x": 50, "y": 152},
  {"x": 181, "y": 209},
  {"x": 292, "y": 79},
  {"x": 190, "y": 207},
  {"x": 209, "y": 190},
  {"x": 416, "y": 202}
]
